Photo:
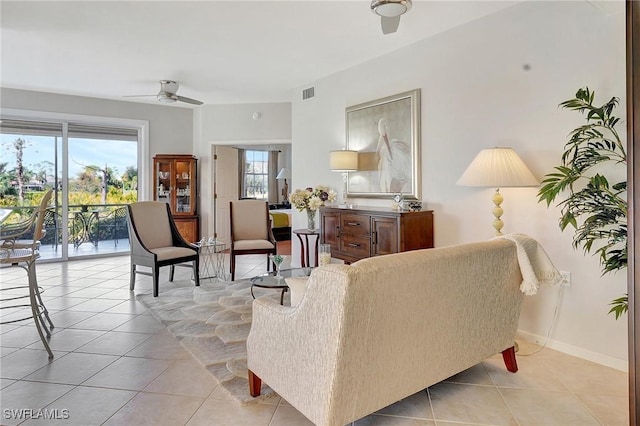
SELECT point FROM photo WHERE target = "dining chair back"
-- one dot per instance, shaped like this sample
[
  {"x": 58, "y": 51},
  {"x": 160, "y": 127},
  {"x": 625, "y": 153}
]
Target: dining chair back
[{"x": 250, "y": 230}]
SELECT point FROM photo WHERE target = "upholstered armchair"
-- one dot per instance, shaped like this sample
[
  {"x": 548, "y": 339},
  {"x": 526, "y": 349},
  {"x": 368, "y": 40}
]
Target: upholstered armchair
[
  {"x": 156, "y": 242},
  {"x": 250, "y": 230}
]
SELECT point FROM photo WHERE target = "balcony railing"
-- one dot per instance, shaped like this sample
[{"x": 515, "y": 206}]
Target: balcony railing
[{"x": 97, "y": 224}]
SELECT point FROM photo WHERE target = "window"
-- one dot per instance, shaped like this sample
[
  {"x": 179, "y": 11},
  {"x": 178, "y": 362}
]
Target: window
[
  {"x": 256, "y": 175},
  {"x": 92, "y": 169}
]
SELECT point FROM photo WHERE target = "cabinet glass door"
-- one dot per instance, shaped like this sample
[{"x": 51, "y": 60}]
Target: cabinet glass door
[
  {"x": 183, "y": 187},
  {"x": 163, "y": 181}
]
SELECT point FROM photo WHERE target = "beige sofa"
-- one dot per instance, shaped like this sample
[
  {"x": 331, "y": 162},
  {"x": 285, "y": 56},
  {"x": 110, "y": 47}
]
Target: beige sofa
[{"x": 366, "y": 335}]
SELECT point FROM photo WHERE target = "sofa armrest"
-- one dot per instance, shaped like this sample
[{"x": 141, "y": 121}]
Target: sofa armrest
[
  {"x": 288, "y": 345},
  {"x": 271, "y": 306}
]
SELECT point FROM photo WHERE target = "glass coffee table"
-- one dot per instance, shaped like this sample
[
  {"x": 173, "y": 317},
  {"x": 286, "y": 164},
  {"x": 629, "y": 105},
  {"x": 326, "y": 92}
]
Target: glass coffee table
[{"x": 269, "y": 280}]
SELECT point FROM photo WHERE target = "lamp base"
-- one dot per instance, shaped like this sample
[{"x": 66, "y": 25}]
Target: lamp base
[
  {"x": 497, "y": 212},
  {"x": 344, "y": 187}
]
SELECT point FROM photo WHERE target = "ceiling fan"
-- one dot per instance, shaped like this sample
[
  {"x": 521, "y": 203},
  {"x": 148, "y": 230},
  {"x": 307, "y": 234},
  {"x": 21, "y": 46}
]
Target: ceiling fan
[
  {"x": 390, "y": 11},
  {"x": 167, "y": 93}
]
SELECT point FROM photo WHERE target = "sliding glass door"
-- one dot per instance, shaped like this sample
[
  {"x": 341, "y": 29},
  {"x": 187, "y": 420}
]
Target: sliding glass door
[
  {"x": 29, "y": 166},
  {"x": 102, "y": 176},
  {"x": 93, "y": 171}
]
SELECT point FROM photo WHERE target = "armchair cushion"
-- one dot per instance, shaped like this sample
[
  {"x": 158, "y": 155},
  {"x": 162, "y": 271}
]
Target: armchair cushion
[
  {"x": 166, "y": 253},
  {"x": 252, "y": 245}
]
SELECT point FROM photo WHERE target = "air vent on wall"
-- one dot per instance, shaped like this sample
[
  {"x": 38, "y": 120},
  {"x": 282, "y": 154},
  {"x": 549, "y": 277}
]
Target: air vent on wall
[{"x": 308, "y": 93}]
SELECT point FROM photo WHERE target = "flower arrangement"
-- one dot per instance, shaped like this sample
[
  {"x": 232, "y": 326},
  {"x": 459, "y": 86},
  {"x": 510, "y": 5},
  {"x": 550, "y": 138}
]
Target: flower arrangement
[{"x": 312, "y": 198}]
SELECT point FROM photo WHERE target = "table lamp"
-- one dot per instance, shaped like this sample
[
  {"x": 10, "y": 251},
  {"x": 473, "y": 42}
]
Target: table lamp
[
  {"x": 497, "y": 168},
  {"x": 284, "y": 174},
  {"x": 343, "y": 161}
]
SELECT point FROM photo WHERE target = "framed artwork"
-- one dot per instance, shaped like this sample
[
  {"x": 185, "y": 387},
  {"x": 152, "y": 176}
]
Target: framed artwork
[{"x": 386, "y": 134}]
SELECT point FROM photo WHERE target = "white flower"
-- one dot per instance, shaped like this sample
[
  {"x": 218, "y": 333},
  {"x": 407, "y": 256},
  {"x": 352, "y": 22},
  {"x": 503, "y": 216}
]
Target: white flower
[
  {"x": 315, "y": 203},
  {"x": 312, "y": 198}
]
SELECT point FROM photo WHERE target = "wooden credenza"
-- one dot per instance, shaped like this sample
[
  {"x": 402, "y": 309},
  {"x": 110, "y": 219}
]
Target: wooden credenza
[{"x": 359, "y": 233}]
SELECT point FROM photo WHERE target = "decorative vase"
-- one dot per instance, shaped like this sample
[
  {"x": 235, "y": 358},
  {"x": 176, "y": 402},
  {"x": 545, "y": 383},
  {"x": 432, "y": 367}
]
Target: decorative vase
[
  {"x": 277, "y": 260},
  {"x": 311, "y": 219}
]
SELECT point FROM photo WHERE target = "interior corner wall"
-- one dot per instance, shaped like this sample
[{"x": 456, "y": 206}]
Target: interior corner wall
[
  {"x": 496, "y": 81},
  {"x": 234, "y": 124},
  {"x": 170, "y": 128}
]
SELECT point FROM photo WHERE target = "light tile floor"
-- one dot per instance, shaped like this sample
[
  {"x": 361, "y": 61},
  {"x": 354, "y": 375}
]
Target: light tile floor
[{"x": 116, "y": 365}]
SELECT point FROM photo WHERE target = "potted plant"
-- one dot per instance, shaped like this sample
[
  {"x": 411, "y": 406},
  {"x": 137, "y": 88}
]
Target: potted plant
[{"x": 591, "y": 203}]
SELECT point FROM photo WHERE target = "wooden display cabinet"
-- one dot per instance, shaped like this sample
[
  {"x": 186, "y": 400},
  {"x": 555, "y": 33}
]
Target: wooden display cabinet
[
  {"x": 175, "y": 182},
  {"x": 356, "y": 234}
]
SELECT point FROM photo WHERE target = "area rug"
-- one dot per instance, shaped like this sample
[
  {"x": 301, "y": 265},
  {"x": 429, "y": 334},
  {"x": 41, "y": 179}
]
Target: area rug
[{"x": 212, "y": 322}]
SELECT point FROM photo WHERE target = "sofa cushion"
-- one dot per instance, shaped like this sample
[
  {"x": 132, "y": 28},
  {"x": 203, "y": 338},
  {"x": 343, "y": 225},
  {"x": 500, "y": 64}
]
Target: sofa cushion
[{"x": 297, "y": 286}]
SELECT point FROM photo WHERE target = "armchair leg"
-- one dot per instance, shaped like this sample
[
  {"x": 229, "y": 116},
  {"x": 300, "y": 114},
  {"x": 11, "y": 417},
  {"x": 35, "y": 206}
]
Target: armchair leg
[
  {"x": 172, "y": 270},
  {"x": 196, "y": 271},
  {"x": 509, "y": 357},
  {"x": 156, "y": 272},
  {"x": 232, "y": 261},
  {"x": 255, "y": 383},
  {"x": 132, "y": 277}
]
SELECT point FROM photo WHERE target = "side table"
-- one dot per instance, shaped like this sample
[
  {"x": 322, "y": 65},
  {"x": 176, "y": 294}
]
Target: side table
[
  {"x": 270, "y": 281},
  {"x": 305, "y": 249},
  {"x": 211, "y": 259}
]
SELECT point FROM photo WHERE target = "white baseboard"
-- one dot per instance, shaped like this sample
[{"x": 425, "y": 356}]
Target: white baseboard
[{"x": 609, "y": 361}]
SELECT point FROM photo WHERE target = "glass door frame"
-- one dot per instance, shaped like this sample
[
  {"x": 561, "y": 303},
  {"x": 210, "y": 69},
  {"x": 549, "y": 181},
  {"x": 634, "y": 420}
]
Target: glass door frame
[{"x": 64, "y": 118}]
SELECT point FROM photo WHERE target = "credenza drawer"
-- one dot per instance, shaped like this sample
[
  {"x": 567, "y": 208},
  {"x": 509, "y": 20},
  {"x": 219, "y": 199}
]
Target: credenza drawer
[
  {"x": 354, "y": 224},
  {"x": 357, "y": 246}
]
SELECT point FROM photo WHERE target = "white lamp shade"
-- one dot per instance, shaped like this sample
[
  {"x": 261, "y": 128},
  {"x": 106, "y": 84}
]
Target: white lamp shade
[
  {"x": 497, "y": 168},
  {"x": 284, "y": 174},
  {"x": 343, "y": 161}
]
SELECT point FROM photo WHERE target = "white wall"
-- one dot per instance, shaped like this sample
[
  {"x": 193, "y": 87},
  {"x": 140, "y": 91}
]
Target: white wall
[
  {"x": 234, "y": 125},
  {"x": 170, "y": 128},
  {"x": 476, "y": 94}
]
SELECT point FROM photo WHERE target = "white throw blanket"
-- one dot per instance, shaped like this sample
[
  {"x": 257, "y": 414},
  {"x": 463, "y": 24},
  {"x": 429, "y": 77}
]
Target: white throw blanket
[{"x": 535, "y": 265}]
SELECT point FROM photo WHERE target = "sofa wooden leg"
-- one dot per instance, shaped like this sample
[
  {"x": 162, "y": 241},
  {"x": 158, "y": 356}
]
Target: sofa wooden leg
[
  {"x": 509, "y": 357},
  {"x": 255, "y": 383}
]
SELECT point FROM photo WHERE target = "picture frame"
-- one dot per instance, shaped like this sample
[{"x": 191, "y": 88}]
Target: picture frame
[{"x": 386, "y": 134}]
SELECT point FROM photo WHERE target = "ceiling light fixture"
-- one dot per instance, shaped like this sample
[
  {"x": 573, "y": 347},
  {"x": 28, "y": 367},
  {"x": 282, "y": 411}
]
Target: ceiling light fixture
[{"x": 390, "y": 8}]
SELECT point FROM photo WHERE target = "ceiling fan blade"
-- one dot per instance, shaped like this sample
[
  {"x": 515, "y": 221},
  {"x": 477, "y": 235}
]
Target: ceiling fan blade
[
  {"x": 189, "y": 100},
  {"x": 390, "y": 24},
  {"x": 137, "y": 96}
]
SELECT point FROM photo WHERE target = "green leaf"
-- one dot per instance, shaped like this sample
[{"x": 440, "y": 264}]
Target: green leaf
[
  {"x": 596, "y": 209},
  {"x": 619, "y": 306}
]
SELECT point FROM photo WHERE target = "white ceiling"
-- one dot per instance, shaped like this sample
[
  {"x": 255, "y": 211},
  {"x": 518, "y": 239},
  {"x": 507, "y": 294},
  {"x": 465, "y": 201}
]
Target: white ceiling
[{"x": 219, "y": 51}]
